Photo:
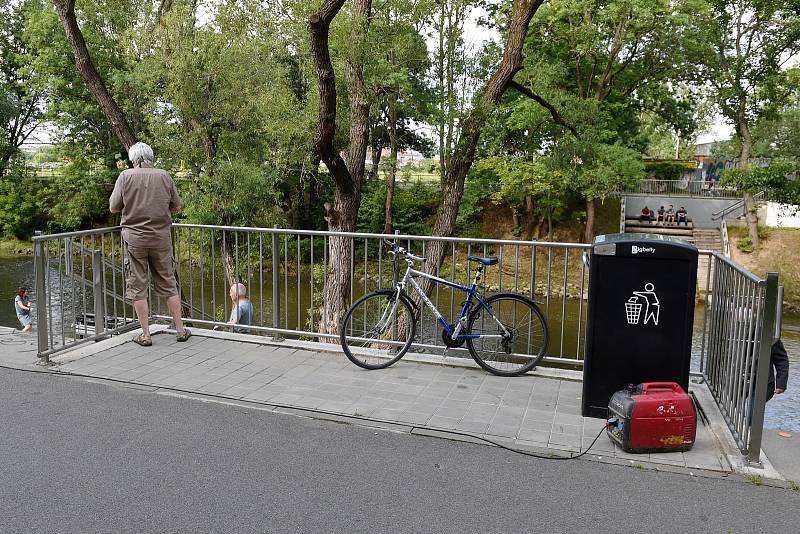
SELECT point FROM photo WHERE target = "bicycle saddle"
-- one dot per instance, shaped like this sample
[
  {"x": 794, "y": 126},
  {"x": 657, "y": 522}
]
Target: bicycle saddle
[{"x": 483, "y": 260}]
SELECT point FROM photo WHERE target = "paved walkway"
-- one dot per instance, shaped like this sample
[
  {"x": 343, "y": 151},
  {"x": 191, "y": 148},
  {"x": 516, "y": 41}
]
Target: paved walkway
[{"x": 536, "y": 413}]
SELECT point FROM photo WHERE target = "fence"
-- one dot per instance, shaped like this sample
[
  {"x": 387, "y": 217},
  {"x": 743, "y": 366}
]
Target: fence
[
  {"x": 80, "y": 274},
  {"x": 79, "y": 283},
  {"x": 681, "y": 188},
  {"x": 738, "y": 329},
  {"x": 283, "y": 271}
]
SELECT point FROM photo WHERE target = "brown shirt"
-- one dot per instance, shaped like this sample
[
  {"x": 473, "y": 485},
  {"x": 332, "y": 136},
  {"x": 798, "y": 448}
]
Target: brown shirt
[{"x": 145, "y": 196}]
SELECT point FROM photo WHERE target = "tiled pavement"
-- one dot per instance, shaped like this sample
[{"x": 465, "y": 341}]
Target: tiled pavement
[{"x": 531, "y": 412}]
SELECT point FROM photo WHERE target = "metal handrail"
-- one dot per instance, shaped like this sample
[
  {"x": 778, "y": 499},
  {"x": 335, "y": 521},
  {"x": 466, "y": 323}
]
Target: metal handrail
[
  {"x": 737, "y": 325},
  {"x": 404, "y": 237},
  {"x": 680, "y": 188},
  {"x": 723, "y": 237},
  {"x": 758, "y": 197}
]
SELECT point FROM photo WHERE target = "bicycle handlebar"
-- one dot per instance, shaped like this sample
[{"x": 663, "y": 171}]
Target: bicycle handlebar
[{"x": 396, "y": 249}]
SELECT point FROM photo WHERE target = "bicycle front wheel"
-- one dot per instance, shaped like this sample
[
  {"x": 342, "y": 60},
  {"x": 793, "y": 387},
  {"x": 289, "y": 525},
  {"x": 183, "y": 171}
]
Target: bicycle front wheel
[
  {"x": 515, "y": 348},
  {"x": 377, "y": 330}
]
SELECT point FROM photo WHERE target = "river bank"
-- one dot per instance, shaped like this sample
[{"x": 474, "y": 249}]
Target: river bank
[
  {"x": 779, "y": 247},
  {"x": 14, "y": 248}
]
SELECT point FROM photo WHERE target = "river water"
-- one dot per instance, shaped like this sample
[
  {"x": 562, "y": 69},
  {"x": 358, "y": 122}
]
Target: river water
[{"x": 782, "y": 412}]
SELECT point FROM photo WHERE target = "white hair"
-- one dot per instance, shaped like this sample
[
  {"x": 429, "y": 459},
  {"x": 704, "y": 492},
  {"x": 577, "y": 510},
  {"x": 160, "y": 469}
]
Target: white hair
[
  {"x": 140, "y": 152},
  {"x": 239, "y": 289}
]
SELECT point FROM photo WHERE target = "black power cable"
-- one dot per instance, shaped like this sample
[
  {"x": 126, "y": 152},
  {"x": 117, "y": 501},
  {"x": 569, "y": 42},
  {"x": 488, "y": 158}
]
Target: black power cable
[{"x": 324, "y": 412}]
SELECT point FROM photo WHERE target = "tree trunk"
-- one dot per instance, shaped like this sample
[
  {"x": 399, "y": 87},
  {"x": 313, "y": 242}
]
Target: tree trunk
[
  {"x": 85, "y": 67},
  {"x": 377, "y": 149},
  {"x": 228, "y": 261},
  {"x": 750, "y": 207},
  {"x": 590, "y": 217},
  {"x": 390, "y": 179},
  {"x": 464, "y": 154},
  {"x": 342, "y": 215}
]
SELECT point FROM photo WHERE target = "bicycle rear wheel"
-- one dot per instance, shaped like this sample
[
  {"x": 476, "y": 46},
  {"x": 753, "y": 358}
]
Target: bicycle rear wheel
[
  {"x": 526, "y": 346},
  {"x": 377, "y": 330}
]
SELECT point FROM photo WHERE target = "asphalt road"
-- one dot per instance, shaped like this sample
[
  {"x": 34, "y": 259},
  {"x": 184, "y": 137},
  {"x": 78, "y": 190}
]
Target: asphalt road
[{"x": 79, "y": 456}]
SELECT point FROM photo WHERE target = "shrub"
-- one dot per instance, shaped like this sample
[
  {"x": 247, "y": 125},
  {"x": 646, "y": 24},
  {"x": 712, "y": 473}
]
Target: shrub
[
  {"x": 666, "y": 170},
  {"x": 745, "y": 244},
  {"x": 412, "y": 208},
  {"x": 21, "y": 207}
]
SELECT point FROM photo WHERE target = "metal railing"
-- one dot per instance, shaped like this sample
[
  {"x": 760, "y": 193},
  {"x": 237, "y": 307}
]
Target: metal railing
[
  {"x": 80, "y": 273},
  {"x": 738, "y": 331},
  {"x": 681, "y": 188},
  {"x": 283, "y": 271},
  {"x": 724, "y": 239},
  {"x": 721, "y": 214},
  {"x": 79, "y": 280}
]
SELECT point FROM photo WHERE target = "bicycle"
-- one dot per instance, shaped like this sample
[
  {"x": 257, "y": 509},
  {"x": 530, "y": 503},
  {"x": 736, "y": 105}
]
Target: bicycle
[{"x": 505, "y": 333}]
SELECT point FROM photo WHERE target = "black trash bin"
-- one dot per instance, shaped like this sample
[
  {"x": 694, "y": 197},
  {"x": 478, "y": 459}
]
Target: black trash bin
[{"x": 639, "y": 315}]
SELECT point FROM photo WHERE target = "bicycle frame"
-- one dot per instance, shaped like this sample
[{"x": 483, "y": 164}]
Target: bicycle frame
[{"x": 454, "y": 330}]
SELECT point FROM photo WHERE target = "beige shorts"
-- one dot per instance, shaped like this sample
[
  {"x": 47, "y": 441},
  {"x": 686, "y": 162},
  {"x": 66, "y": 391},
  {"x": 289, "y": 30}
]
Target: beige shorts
[{"x": 162, "y": 271}]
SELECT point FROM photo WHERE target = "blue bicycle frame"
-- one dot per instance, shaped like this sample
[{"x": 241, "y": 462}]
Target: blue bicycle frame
[{"x": 454, "y": 330}]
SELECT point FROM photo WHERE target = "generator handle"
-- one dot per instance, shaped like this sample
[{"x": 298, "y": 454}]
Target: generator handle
[{"x": 661, "y": 385}]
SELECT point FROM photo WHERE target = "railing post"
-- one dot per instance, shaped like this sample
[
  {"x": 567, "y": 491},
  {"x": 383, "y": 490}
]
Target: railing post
[
  {"x": 766, "y": 330},
  {"x": 68, "y": 256},
  {"x": 99, "y": 295},
  {"x": 40, "y": 273},
  {"x": 276, "y": 287},
  {"x": 779, "y": 314}
]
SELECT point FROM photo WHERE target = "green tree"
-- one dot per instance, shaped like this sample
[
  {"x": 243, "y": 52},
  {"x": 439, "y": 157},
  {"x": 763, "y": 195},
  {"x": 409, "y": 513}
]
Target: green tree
[
  {"x": 601, "y": 64},
  {"x": 396, "y": 78},
  {"x": 21, "y": 101},
  {"x": 748, "y": 44}
]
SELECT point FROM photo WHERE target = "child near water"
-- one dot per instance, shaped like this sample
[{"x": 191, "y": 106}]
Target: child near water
[{"x": 22, "y": 306}]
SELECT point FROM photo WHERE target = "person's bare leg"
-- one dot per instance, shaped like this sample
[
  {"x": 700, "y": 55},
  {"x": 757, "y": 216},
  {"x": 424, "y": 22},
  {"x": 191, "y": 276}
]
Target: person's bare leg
[
  {"x": 174, "y": 305},
  {"x": 28, "y": 328},
  {"x": 143, "y": 314}
]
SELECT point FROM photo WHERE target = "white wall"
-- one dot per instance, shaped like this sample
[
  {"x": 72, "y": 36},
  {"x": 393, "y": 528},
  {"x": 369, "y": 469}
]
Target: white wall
[{"x": 783, "y": 215}]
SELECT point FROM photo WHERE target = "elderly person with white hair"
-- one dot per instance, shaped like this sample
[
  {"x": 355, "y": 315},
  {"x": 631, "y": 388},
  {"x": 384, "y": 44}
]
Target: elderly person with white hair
[
  {"x": 147, "y": 196},
  {"x": 242, "y": 310}
]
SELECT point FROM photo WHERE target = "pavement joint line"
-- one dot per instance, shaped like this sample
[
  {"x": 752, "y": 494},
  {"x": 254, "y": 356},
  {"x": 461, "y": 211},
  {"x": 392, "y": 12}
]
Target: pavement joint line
[
  {"x": 419, "y": 430},
  {"x": 728, "y": 470}
]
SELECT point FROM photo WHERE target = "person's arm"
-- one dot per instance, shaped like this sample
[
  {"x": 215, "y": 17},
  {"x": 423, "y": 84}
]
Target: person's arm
[
  {"x": 780, "y": 359},
  {"x": 115, "y": 202},
  {"x": 174, "y": 197},
  {"x": 235, "y": 313}
]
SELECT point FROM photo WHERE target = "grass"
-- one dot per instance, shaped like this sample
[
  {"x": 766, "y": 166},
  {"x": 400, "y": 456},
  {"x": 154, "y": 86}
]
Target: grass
[
  {"x": 755, "y": 480},
  {"x": 778, "y": 251},
  {"x": 794, "y": 486}
]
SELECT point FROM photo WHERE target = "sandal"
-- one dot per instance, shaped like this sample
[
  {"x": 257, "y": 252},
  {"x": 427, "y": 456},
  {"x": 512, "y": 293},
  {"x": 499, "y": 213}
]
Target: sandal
[
  {"x": 185, "y": 336},
  {"x": 143, "y": 341}
]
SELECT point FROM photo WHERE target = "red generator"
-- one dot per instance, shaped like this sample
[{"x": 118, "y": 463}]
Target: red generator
[{"x": 652, "y": 417}]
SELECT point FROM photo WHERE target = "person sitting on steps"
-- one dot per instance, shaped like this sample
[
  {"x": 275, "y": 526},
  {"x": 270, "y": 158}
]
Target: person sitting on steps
[
  {"x": 646, "y": 215},
  {"x": 682, "y": 216},
  {"x": 660, "y": 218},
  {"x": 669, "y": 216}
]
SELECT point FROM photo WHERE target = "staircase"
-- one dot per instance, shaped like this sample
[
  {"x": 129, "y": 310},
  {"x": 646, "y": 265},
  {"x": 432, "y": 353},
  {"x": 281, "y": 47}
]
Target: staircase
[
  {"x": 702, "y": 238},
  {"x": 684, "y": 232},
  {"x": 706, "y": 239}
]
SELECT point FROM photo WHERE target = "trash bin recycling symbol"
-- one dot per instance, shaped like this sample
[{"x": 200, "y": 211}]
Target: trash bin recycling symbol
[{"x": 646, "y": 300}]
